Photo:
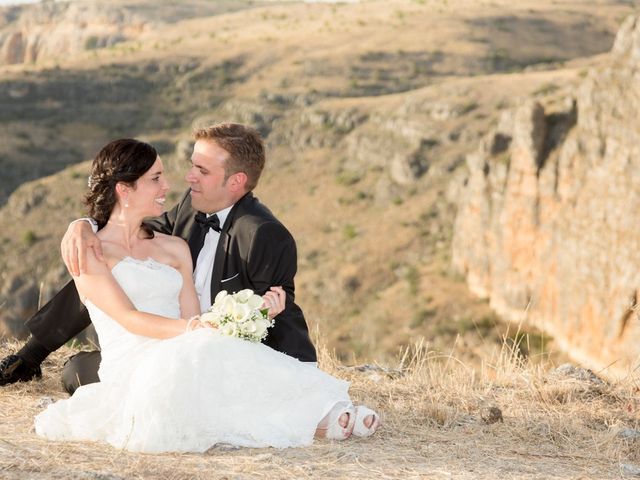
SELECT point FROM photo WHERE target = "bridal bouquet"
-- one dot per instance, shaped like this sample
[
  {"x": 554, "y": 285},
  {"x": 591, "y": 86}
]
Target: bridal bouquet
[{"x": 239, "y": 315}]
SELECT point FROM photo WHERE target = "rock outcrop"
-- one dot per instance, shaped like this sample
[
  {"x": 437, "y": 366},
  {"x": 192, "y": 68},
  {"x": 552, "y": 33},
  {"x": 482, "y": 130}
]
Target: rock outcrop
[
  {"x": 548, "y": 220},
  {"x": 50, "y": 30}
]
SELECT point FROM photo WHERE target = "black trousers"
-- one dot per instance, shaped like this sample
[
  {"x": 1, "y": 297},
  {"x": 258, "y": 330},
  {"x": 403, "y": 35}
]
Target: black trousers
[
  {"x": 60, "y": 319},
  {"x": 57, "y": 322},
  {"x": 80, "y": 369}
]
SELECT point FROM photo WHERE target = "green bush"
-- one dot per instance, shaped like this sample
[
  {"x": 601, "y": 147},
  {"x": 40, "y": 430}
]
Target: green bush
[
  {"x": 422, "y": 316},
  {"x": 348, "y": 178},
  {"x": 546, "y": 89},
  {"x": 413, "y": 280},
  {"x": 29, "y": 238},
  {"x": 349, "y": 232},
  {"x": 91, "y": 43}
]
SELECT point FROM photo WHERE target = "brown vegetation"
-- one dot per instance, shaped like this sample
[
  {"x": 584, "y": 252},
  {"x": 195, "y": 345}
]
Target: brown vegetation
[{"x": 438, "y": 424}]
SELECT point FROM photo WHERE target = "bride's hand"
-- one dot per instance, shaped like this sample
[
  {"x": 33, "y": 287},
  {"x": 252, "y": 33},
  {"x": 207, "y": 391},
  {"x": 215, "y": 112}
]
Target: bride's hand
[
  {"x": 194, "y": 323},
  {"x": 275, "y": 301},
  {"x": 77, "y": 240}
]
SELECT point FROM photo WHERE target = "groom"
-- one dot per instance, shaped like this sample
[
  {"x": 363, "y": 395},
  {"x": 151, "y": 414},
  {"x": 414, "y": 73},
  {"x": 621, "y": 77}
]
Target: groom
[{"x": 235, "y": 243}]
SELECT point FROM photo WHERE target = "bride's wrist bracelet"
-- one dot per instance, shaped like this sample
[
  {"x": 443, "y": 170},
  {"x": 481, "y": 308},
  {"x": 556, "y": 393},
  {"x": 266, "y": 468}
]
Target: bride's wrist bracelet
[{"x": 190, "y": 322}]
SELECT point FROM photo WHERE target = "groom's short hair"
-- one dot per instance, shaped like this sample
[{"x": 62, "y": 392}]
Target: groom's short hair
[{"x": 245, "y": 147}]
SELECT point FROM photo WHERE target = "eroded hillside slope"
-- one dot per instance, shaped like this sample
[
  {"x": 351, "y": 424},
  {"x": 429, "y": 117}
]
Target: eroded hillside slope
[{"x": 368, "y": 109}]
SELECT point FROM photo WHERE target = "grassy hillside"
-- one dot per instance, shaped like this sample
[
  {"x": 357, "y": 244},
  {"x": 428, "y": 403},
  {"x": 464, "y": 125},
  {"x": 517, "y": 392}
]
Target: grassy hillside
[{"x": 368, "y": 110}]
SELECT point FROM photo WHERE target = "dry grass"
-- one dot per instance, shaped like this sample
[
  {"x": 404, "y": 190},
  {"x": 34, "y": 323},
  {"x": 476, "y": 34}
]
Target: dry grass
[{"x": 554, "y": 427}]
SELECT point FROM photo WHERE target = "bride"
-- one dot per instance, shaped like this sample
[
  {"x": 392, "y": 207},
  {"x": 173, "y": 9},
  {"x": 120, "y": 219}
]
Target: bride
[{"x": 169, "y": 384}]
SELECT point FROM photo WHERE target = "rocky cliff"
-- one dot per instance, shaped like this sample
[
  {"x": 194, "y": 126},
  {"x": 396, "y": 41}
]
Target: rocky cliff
[
  {"x": 60, "y": 29},
  {"x": 547, "y": 222},
  {"x": 49, "y": 30}
]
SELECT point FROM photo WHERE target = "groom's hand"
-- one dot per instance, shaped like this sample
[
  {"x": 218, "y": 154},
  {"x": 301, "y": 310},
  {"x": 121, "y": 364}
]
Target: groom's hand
[
  {"x": 275, "y": 300},
  {"x": 77, "y": 240}
]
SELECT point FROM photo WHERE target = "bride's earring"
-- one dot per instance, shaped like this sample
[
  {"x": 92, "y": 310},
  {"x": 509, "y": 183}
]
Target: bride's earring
[{"x": 122, "y": 190}]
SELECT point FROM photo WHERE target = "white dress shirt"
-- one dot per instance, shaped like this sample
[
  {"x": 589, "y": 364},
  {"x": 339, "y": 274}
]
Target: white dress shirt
[{"x": 204, "y": 263}]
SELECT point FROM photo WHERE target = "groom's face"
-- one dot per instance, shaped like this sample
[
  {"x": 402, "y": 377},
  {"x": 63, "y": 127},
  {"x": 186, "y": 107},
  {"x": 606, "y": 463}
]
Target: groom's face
[{"x": 210, "y": 191}]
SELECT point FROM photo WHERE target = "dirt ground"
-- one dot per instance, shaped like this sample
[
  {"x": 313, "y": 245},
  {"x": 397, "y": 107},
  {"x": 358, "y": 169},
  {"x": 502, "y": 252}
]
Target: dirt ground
[{"x": 436, "y": 426}]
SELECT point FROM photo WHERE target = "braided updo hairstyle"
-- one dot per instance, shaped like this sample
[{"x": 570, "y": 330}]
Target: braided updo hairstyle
[{"x": 124, "y": 160}]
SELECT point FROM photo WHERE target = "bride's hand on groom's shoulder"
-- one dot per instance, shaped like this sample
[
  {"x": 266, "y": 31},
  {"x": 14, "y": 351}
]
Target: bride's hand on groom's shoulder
[
  {"x": 275, "y": 300},
  {"x": 75, "y": 245}
]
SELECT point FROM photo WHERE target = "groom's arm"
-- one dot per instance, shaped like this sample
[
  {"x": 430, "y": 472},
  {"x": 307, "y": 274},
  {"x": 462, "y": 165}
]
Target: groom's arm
[
  {"x": 272, "y": 259},
  {"x": 80, "y": 237}
]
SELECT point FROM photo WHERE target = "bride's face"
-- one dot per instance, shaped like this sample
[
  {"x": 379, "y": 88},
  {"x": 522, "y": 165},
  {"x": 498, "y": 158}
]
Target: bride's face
[{"x": 150, "y": 193}]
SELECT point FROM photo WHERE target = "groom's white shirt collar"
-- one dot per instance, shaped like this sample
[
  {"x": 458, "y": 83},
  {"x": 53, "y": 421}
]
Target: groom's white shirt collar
[
  {"x": 222, "y": 215},
  {"x": 203, "y": 269}
]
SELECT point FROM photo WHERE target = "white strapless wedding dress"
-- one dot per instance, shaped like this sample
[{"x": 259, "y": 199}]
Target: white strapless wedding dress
[{"x": 190, "y": 392}]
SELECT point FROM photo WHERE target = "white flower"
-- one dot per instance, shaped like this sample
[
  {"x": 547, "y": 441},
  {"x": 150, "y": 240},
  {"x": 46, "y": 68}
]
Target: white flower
[
  {"x": 221, "y": 294},
  {"x": 227, "y": 305},
  {"x": 243, "y": 296},
  {"x": 249, "y": 327},
  {"x": 229, "y": 329},
  {"x": 239, "y": 315},
  {"x": 261, "y": 327},
  {"x": 241, "y": 312},
  {"x": 255, "y": 301}
]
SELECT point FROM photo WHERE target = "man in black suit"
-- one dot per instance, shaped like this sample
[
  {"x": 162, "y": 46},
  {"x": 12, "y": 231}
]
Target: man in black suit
[{"x": 235, "y": 243}]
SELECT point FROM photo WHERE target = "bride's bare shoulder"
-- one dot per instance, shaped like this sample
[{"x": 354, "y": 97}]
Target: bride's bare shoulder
[
  {"x": 169, "y": 241},
  {"x": 175, "y": 246}
]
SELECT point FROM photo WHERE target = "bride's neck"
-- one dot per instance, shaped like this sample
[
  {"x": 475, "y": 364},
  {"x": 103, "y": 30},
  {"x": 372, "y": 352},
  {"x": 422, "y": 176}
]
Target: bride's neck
[{"x": 124, "y": 228}]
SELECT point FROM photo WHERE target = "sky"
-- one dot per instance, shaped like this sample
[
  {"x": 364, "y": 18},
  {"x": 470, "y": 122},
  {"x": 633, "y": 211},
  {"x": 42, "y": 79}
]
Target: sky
[{"x": 15, "y": 2}]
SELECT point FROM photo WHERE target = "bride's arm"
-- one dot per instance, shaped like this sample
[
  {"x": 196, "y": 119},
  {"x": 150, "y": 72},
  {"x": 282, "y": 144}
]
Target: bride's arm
[
  {"x": 99, "y": 286},
  {"x": 189, "y": 303}
]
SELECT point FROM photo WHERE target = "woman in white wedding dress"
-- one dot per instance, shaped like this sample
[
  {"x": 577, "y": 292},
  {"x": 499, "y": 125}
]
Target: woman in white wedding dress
[{"x": 168, "y": 384}]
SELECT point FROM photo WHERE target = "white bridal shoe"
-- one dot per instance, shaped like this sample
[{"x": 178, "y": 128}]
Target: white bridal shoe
[
  {"x": 330, "y": 426},
  {"x": 360, "y": 428}
]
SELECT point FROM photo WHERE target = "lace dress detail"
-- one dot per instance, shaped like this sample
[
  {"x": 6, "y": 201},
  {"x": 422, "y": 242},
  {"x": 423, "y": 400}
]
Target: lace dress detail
[{"x": 190, "y": 392}]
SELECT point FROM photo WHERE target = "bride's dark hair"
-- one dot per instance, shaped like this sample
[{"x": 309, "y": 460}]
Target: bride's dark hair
[{"x": 124, "y": 160}]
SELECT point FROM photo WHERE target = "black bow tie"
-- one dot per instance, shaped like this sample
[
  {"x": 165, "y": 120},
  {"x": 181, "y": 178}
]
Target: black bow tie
[{"x": 211, "y": 221}]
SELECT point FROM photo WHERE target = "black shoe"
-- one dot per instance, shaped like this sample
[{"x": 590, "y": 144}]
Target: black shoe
[{"x": 15, "y": 369}]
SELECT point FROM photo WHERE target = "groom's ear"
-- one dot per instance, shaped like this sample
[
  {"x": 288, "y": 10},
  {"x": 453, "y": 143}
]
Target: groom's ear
[{"x": 238, "y": 181}]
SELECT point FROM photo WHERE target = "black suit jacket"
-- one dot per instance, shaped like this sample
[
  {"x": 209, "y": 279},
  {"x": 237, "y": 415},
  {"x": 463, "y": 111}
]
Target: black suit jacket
[{"x": 254, "y": 251}]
